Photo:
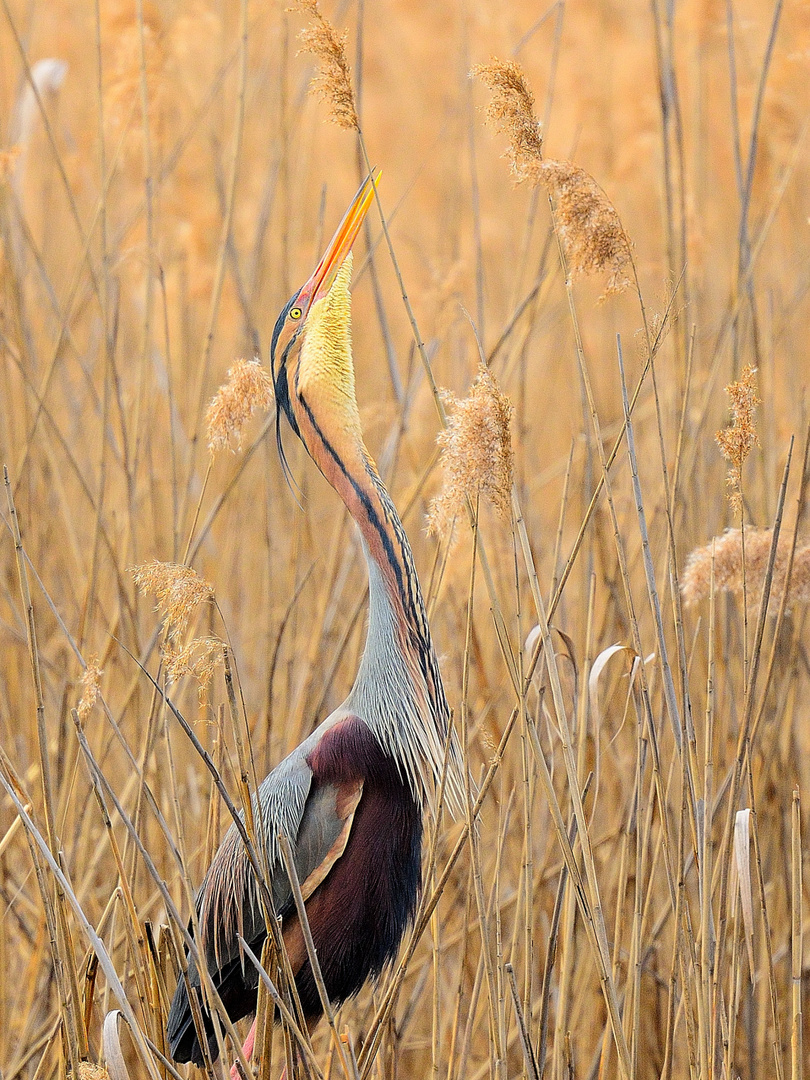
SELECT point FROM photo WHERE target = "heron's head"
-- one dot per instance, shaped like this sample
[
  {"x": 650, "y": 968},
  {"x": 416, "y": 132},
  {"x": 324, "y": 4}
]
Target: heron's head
[{"x": 311, "y": 351}]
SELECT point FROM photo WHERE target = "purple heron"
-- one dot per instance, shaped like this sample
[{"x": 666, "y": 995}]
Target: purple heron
[{"x": 352, "y": 796}]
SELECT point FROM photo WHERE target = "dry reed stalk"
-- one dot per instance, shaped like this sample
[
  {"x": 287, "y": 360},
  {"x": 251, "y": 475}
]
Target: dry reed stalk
[
  {"x": 743, "y": 747},
  {"x": 796, "y": 939},
  {"x": 475, "y": 852}
]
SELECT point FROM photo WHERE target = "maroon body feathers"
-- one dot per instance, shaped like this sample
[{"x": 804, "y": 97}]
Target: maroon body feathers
[{"x": 359, "y": 911}]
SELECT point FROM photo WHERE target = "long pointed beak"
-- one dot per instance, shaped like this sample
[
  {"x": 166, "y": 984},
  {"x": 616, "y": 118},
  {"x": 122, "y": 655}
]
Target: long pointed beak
[{"x": 340, "y": 245}]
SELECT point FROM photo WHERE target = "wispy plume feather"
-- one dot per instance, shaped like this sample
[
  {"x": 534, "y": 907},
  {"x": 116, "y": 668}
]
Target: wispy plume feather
[
  {"x": 477, "y": 456},
  {"x": 248, "y": 389},
  {"x": 334, "y": 79}
]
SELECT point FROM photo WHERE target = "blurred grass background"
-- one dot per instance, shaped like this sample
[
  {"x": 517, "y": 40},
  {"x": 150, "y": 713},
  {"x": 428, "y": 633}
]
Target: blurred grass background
[{"x": 161, "y": 195}]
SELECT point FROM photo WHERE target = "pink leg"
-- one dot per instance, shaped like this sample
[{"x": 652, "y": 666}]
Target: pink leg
[{"x": 247, "y": 1050}]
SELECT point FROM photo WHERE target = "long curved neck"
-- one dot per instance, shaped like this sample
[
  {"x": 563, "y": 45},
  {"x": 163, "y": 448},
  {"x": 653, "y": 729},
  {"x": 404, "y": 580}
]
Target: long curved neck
[{"x": 398, "y": 690}]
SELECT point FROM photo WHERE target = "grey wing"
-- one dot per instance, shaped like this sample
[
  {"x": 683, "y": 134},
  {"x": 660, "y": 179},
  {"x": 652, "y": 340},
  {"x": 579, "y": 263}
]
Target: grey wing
[{"x": 316, "y": 818}]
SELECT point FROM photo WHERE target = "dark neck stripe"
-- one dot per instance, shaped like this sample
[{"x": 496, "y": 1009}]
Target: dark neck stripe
[{"x": 405, "y": 591}]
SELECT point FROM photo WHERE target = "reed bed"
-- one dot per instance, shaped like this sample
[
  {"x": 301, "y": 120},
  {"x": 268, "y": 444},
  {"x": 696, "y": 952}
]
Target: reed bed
[{"x": 592, "y": 220}]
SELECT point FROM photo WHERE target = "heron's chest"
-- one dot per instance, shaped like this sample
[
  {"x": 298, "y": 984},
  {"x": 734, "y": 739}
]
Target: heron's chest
[{"x": 360, "y": 912}]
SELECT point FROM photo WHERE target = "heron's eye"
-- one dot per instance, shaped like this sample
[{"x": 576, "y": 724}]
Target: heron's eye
[{"x": 296, "y": 313}]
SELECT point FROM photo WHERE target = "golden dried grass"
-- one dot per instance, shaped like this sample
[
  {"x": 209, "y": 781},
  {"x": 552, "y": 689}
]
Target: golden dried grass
[{"x": 103, "y": 427}]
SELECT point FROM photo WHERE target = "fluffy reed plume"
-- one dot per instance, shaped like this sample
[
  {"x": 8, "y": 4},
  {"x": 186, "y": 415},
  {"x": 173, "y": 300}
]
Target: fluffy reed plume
[
  {"x": 735, "y": 442},
  {"x": 90, "y": 683},
  {"x": 477, "y": 457},
  {"x": 511, "y": 111},
  {"x": 587, "y": 223},
  {"x": 728, "y": 568},
  {"x": 178, "y": 590},
  {"x": 199, "y": 658},
  {"x": 334, "y": 79},
  {"x": 248, "y": 389},
  {"x": 590, "y": 229}
]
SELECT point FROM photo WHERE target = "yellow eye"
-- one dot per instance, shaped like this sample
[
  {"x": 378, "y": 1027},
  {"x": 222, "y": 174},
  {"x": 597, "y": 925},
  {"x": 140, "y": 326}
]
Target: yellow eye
[{"x": 295, "y": 313}]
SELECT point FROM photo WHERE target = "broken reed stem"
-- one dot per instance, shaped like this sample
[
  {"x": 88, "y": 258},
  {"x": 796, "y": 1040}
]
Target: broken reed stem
[
  {"x": 93, "y": 939},
  {"x": 428, "y": 904},
  {"x": 217, "y": 1009},
  {"x": 289, "y": 1020}
]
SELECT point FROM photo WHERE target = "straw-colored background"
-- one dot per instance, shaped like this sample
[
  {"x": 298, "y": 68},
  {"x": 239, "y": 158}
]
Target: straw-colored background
[{"x": 115, "y": 266}]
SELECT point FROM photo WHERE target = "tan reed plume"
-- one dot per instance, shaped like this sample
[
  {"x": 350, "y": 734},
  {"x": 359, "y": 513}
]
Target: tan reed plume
[
  {"x": 728, "y": 568},
  {"x": 511, "y": 111},
  {"x": 334, "y": 79},
  {"x": 735, "y": 441},
  {"x": 477, "y": 456},
  {"x": 248, "y": 389},
  {"x": 178, "y": 590},
  {"x": 90, "y": 683},
  {"x": 199, "y": 658},
  {"x": 587, "y": 223}
]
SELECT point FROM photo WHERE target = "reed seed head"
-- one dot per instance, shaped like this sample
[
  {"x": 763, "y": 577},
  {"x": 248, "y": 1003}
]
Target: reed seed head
[
  {"x": 735, "y": 441},
  {"x": 199, "y": 658},
  {"x": 334, "y": 79},
  {"x": 589, "y": 227},
  {"x": 477, "y": 457},
  {"x": 511, "y": 111},
  {"x": 247, "y": 389},
  {"x": 178, "y": 590},
  {"x": 728, "y": 569},
  {"x": 90, "y": 683}
]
